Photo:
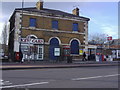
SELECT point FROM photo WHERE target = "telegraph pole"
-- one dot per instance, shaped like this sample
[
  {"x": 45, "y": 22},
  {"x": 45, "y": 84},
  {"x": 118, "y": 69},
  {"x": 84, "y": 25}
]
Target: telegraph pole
[{"x": 21, "y": 27}]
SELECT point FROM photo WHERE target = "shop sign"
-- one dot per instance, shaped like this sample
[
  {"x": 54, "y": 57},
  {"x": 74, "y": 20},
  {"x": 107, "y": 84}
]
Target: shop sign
[
  {"x": 80, "y": 51},
  {"x": 109, "y": 38},
  {"x": 118, "y": 53},
  {"x": 56, "y": 51},
  {"x": 32, "y": 41},
  {"x": 66, "y": 47}
]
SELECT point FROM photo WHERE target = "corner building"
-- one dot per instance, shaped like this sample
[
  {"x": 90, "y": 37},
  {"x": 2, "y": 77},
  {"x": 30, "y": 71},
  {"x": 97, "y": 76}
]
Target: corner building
[{"x": 39, "y": 31}]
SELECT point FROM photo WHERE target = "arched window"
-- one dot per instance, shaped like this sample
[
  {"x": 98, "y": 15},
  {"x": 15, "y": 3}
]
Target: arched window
[
  {"x": 32, "y": 36},
  {"x": 74, "y": 47}
]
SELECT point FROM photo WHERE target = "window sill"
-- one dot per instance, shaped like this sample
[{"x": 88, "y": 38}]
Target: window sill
[
  {"x": 75, "y": 31},
  {"x": 74, "y": 55},
  {"x": 32, "y": 27},
  {"x": 55, "y": 29}
]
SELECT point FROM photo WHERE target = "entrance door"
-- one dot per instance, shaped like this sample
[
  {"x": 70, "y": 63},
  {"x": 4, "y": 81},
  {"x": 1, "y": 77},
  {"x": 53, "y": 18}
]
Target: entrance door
[
  {"x": 54, "y": 43},
  {"x": 74, "y": 47},
  {"x": 40, "y": 53}
]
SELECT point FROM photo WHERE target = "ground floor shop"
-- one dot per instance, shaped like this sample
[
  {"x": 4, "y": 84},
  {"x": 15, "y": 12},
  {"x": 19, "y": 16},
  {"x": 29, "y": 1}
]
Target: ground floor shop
[
  {"x": 96, "y": 53},
  {"x": 35, "y": 48}
]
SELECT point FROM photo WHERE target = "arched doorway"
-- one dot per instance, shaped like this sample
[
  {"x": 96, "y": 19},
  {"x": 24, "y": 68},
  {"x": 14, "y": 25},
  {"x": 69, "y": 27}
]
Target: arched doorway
[
  {"x": 54, "y": 43},
  {"x": 74, "y": 47}
]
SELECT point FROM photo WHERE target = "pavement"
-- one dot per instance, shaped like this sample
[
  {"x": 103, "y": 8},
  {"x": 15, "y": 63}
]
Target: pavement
[{"x": 51, "y": 64}]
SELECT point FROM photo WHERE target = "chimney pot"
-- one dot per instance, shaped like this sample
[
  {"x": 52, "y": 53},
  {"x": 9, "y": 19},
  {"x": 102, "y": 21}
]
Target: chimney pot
[
  {"x": 76, "y": 11},
  {"x": 39, "y": 5}
]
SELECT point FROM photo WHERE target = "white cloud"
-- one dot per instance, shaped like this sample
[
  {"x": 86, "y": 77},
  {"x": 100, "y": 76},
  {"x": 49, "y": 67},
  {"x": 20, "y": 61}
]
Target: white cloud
[
  {"x": 1, "y": 28},
  {"x": 106, "y": 28},
  {"x": 110, "y": 30}
]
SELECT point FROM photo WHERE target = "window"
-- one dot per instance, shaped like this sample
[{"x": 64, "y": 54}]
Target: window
[
  {"x": 32, "y": 22},
  {"x": 54, "y": 24},
  {"x": 75, "y": 26}
]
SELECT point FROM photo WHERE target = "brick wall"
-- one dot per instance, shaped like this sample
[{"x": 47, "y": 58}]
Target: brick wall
[
  {"x": 46, "y": 23},
  {"x": 43, "y": 30}
]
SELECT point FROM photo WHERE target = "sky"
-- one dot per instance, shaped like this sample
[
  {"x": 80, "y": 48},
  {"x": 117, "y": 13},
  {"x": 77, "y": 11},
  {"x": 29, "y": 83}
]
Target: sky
[{"x": 103, "y": 15}]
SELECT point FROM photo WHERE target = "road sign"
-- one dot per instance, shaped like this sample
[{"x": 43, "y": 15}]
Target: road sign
[{"x": 109, "y": 38}]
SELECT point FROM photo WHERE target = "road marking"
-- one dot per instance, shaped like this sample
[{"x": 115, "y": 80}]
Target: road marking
[
  {"x": 24, "y": 85},
  {"x": 2, "y": 82},
  {"x": 95, "y": 77}
]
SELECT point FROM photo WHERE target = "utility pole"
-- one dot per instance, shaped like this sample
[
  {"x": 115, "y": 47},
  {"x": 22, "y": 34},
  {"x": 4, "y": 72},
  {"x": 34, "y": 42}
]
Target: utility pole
[
  {"x": 21, "y": 28},
  {"x": 21, "y": 25}
]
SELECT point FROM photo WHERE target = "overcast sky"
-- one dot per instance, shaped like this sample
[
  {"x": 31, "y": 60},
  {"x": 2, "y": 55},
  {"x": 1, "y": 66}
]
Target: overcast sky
[{"x": 103, "y": 15}]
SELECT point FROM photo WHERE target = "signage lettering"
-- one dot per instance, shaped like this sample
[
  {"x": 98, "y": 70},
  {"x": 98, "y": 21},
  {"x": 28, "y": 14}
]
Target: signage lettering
[{"x": 32, "y": 41}]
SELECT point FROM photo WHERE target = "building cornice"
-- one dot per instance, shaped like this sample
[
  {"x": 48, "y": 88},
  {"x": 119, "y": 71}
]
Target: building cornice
[
  {"x": 48, "y": 30},
  {"x": 48, "y": 15}
]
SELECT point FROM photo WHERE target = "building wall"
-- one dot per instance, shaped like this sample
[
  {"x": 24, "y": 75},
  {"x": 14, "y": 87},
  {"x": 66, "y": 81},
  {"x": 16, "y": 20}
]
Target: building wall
[
  {"x": 46, "y": 23},
  {"x": 46, "y": 35},
  {"x": 63, "y": 25},
  {"x": 43, "y": 30}
]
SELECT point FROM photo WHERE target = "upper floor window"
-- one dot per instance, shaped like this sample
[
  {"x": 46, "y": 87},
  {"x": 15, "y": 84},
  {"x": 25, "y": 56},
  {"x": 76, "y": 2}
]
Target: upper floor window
[
  {"x": 54, "y": 24},
  {"x": 75, "y": 26},
  {"x": 32, "y": 22}
]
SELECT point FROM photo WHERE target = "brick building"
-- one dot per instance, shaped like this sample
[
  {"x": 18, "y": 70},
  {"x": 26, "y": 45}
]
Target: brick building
[{"x": 42, "y": 33}]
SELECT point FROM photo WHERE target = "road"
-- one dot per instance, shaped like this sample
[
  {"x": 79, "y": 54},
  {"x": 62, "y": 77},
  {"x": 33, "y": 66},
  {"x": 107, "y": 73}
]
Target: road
[{"x": 83, "y": 77}]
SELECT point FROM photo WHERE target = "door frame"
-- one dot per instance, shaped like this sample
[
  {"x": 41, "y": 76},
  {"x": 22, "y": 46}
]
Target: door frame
[{"x": 40, "y": 46}]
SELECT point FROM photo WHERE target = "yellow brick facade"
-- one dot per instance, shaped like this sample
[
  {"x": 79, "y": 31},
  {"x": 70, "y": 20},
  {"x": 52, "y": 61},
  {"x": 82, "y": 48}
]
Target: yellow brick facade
[
  {"x": 46, "y": 23},
  {"x": 46, "y": 35},
  {"x": 49, "y": 40},
  {"x": 43, "y": 30}
]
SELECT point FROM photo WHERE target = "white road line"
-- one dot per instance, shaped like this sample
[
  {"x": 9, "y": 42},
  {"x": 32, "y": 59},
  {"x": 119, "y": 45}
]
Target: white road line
[
  {"x": 1, "y": 80},
  {"x": 7, "y": 81},
  {"x": 111, "y": 75},
  {"x": 95, "y": 77},
  {"x": 24, "y": 85}
]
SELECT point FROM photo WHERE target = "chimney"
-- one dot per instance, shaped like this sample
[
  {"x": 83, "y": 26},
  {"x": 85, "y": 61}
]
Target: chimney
[
  {"x": 76, "y": 11},
  {"x": 39, "y": 5}
]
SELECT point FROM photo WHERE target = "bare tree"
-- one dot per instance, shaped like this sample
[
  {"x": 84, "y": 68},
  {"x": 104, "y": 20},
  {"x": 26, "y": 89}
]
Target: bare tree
[
  {"x": 4, "y": 34},
  {"x": 98, "y": 38},
  {"x": 5, "y": 37}
]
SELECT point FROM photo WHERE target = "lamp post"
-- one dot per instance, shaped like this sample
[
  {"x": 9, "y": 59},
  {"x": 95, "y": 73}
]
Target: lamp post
[{"x": 20, "y": 35}]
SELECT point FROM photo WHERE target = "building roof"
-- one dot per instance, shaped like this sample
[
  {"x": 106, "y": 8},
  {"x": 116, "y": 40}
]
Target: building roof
[
  {"x": 93, "y": 42},
  {"x": 115, "y": 42},
  {"x": 51, "y": 11}
]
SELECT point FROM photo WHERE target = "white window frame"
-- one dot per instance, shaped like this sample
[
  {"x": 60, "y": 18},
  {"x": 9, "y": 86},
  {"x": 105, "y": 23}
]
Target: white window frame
[{"x": 40, "y": 46}]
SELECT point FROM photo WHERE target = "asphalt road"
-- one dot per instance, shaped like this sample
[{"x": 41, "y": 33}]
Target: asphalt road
[{"x": 84, "y": 77}]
